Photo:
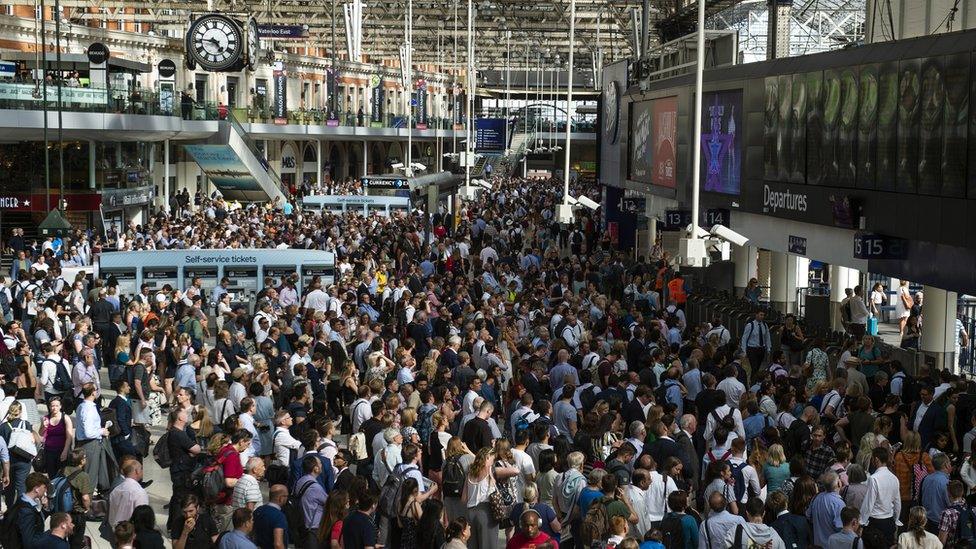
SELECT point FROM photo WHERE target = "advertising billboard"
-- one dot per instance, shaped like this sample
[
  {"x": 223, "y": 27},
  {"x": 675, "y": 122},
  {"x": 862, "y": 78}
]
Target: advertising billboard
[
  {"x": 640, "y": 142},
  {"x": 721, "y": 143},
  {"x": 664, "y": 128}
]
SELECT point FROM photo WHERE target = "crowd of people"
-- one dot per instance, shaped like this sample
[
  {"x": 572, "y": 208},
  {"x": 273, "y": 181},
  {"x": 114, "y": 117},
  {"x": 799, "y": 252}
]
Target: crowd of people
[{"x": 507, "y": 382}]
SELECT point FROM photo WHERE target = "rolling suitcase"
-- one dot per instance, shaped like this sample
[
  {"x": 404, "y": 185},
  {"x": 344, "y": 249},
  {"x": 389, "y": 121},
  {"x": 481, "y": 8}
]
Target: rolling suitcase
[{"x": 872, "y": 325}]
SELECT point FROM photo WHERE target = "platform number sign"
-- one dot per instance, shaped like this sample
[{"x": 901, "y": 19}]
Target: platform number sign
[
  {"x": 678, "y": 220},
  {"x": 875, "y": 246}
]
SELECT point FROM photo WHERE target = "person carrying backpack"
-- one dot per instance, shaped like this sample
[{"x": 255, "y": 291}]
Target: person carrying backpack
[
  {"x": 23, "y": 523},
  {"x": 679, "y": 530},
  {"x": 71, "y": 492},
  {"x": 613, "y": 503},
  {"x": 754, "y": 533},
  {"x": 957, "y": 525}
]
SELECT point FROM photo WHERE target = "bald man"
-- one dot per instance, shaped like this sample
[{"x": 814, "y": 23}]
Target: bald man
[{"x": 270, "y": 524}]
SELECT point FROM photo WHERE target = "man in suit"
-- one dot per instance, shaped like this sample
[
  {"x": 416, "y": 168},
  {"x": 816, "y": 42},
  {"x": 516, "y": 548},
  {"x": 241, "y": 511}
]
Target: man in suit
[
  {"x": 688, "y": 424},
  {"x": 664, "y": 446},
  {"x": 928, "y": 416},
  {"x": 532, "y": 381},
  {"x": 636, "y": 410}
]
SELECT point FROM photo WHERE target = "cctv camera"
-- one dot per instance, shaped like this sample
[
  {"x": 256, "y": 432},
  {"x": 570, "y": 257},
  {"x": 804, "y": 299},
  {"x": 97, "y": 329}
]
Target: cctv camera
[
  {"x": 728, "y": 235},
  {"x": 397, "y": 165},
  {"x": 694, "y": 231},
  {"x": 584, "y": 201},
  {"x": 418, "y": 166}
]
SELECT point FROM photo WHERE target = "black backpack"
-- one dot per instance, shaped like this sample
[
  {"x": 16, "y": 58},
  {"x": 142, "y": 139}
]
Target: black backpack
[
  {"x": 965, "y": 537},
  {"x": 672, "y": 533},
  {"x": 297, "y": 532},
  {"x": 453, "y": 477},
  {"x": 728, "y": 421},
  {"x": 661, "y": 392},
  {"x": 62, "y": 379},
  {"x": 588, "y": 398}
]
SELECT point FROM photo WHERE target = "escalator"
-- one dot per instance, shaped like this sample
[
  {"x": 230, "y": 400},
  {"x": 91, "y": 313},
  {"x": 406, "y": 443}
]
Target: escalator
[{"x": 232, "y": 161}]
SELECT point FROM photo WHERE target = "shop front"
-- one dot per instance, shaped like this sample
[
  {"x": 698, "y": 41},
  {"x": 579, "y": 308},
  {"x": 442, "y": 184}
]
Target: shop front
[{"x": 126, "y": 205}]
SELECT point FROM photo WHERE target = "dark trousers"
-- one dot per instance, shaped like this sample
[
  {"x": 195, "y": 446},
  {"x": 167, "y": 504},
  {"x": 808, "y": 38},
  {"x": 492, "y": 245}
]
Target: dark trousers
[
  {"x": 756, "y": 355},
  {"x": 886, "y": 527},
  {"x": 77, "y": 539},
  {"x": 856, "y": 330}
]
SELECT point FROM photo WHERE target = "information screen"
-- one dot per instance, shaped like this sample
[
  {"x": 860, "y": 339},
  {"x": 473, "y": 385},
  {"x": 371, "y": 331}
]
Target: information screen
[{"x": 490, "y": 134}]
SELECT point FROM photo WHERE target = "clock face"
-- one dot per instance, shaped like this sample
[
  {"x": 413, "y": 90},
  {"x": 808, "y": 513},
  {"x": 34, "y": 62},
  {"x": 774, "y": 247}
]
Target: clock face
[
  {"x": 215, "y": 42},
  {"x": 253, "y": 46}
]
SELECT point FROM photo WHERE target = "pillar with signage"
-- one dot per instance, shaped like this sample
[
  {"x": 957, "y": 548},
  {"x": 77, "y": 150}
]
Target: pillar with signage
[
  {"x": 376, "y": 102},
  {"x": 744, "y": 258},
  {"x": 939, "y": 337},
  {"x": 167, "y": 86},
  {"x": 289, "y": 163},
  {"x": 280, "y": 107},
  {"x": 782, "y": 282},
  {"x": 98, "y": 55}
]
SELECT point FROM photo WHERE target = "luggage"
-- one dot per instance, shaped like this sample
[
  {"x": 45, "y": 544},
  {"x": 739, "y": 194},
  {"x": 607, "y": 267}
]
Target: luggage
[{"x": 872, "y": 325}]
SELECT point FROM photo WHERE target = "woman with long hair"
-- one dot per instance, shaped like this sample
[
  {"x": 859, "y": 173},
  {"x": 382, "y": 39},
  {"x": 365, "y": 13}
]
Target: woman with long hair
[
  {"x": 776, "y": 469},
  {"x": 330, "y": 528},
  {"x": 915, "y": 536},
  {"x": 478, "y": 485},
  {"x": 905, "y": 459},
  {"x": 404, "y": 530},
  {"x": 456, "y": 452},
  {"x": 430, "y": 531},
  {"x": 506, "y": 475},
  {"x": 29, "y": 391},
  {"x": 58, "y": 433}
]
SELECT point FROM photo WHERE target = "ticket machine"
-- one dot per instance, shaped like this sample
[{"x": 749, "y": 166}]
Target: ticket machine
[
  {"x": 278, "y": 273},
  {"x": 157, "y": 277},
  {"x": 326, "y": 274},
  {"x": 208, "y": 278},
  {"x": 128, "y": 283},
  {"x": 244, "y": 284}
]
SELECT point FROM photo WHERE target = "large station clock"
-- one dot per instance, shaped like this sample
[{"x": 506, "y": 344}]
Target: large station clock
[{"x": 215, "y": 42}]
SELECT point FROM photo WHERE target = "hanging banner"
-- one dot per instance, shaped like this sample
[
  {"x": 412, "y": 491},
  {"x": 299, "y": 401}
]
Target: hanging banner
[
  {"x": 457, "y": 107},
  {"x": 664, "y": 130},
  {"x": 332, "y": 84},
  {"x": 376, "y": 114},
  {"x": 421, "y": 104},
  {"x": 280, "y": 109}
]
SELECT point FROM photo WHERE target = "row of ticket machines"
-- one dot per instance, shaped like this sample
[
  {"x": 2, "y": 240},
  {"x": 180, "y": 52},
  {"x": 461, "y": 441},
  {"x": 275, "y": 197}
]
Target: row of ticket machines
[{"x": 245, "y": 269}]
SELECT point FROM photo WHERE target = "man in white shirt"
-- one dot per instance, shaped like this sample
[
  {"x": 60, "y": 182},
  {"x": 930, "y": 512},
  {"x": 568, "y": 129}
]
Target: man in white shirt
[
  {"x": 636, "y": 491},
  {"x": 732, "y": 387},
  {"x": 711, "y": 533},
  {"x": 882, "y": 502},
  {"x": 656, "y": 496},
  {"x": 719, "y": 331},
  {"x": 128, "y": 495},
  {"x": 524, "y": 411},
  {"x": 523, "y": 462},
  {"x": 285, "y": 446},
  {"x": 720, "y": 413},
  {"x": 749, "y": 475},
  {"x": 859, "y": 313},
  {"x": 361, "y": 409},
  {"x": 572, "y": 332}
]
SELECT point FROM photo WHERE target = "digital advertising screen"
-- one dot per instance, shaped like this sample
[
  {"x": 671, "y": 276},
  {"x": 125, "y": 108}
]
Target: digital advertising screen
[
  {"x": 664, "y": 128},
  {"x": 721, "y": 142},
  {"x": 490, "y": 134}
]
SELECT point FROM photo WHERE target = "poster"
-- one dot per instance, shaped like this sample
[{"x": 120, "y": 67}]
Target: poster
[
  {"x": 457, "y": 107},
  {"x": 280, "y": 110},
  {"x": 815, "y": 127},
  {"x": 664, "y": 127},
  {"x": 957, "y": 108},
  {"x": 798, "y": 131},
  {"x": 783, "y": 127},
  {"x": 421, "y": 118},
  {"x": 166, "y": 92},
  {"x": 376, "y": 109},
  {"x": 887, "y": 123},
  {"x": 223, "y": 167},
  {"x": 640, "y": 141},
  {"x": 932, "y": 113},
  {"x": 721, "y": 143},
  {"x": 831, "y": 119},
  {"x": 770, "y": 128},
  {"x": 847, "y": 128}
]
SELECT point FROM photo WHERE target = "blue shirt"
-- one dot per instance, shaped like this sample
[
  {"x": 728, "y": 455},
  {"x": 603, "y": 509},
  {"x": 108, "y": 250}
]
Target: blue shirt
[
  {"x": 935, "y": 496},
  {"x": 186, "y": 376},
  {"x": 673, "y": 395},
  {"x": 88, "y": 424},
  {"x": 824, "y": 513},
  {"x": 266, "y": 518},
  {"x": 756, "y": 334},
  {"x": 558, "y": 372},
  {"x": 754, "y": 425},
  {"x": 588, "y": 496},
  {"x": 4, "y": 452},
  {"x": 235, "y": 539}
]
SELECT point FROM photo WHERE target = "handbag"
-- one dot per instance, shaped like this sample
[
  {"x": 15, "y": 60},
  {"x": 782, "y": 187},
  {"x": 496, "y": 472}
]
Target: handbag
[
  {"x": 499, "y": 511},
  {"x": 40, "y": 461},
  {"x": 21, "y": 443}
]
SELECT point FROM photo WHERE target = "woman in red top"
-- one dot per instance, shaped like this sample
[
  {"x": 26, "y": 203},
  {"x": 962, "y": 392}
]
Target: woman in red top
[
  {"x": 229, "y": 457},
  {"x": 329, "y": 535},
  {"x": 529, "y": 536}
]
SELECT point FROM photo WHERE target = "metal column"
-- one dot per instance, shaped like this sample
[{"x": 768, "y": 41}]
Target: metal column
[{"x": 778, "y": 33}]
